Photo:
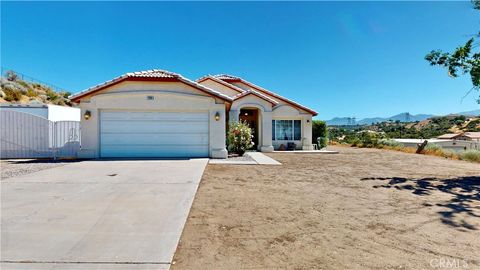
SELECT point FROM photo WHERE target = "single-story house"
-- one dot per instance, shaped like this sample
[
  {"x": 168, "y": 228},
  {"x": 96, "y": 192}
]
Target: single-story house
[
  {"x": 448, "y": 144},
  {"x": 157, "y": 113},
  {"x": 465, "y": 136},
  {"x": 471, "y": 136},
  {"x": 449, "y": 136},
  {"x": 47, "y": 111}
]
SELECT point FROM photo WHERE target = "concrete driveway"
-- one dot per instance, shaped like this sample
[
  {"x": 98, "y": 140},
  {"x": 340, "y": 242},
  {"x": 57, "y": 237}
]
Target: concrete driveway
[{"x": 97, "y": 214}]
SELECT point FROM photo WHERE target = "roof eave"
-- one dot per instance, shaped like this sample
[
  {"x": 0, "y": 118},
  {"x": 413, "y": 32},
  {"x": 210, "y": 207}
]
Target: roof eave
[
  {"x": 76, "y": 98},
  {"x": 219, "y": 81},
  {"x": 273, "y": 102},
  {"x": 314, "y": 113}
]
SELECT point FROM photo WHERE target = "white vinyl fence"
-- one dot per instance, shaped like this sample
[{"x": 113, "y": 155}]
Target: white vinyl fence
[{"x": 25, "y": 135}]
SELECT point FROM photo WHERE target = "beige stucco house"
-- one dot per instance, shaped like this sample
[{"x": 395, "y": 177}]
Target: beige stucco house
[{"x": 157, "y": 113}]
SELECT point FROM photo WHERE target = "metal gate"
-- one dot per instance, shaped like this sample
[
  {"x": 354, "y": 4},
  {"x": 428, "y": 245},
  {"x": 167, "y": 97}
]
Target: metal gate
[{"x": 25, "y": 135}]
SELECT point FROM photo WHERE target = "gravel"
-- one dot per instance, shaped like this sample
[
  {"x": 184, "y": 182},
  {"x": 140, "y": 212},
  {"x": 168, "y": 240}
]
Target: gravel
[{"x": 18, "y": 167}]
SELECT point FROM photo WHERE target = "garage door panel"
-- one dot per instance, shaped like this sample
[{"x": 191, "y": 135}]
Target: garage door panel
[
  {"x": 155, "y": 151},
  {"x": 109, "y": 126},
  {"x": 154, "y": 139},
  {"x": 154, "y": 134},
  {"x": 164, "y": 116}
]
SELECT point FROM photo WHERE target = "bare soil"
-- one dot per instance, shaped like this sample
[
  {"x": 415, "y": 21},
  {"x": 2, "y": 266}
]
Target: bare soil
[{"x": 359, "y": 209}]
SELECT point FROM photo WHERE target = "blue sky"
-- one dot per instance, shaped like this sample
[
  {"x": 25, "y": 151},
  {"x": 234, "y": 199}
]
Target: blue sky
[{"x": 359, "y": 59}]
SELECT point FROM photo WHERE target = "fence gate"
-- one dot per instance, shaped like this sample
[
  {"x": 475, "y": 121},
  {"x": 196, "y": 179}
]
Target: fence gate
[{"x": 25, "y": 135}]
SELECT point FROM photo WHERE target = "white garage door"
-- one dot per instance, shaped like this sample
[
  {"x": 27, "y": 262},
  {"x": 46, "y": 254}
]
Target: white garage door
[{"x": 153, "y": 134}]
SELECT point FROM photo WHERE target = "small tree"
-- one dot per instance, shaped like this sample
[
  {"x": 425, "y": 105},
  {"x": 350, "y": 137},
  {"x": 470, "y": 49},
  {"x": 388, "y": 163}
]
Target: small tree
[
  {"x": 465, "y": 59},
  {"x": 239, "y": 137},
  {"x": 11, "y": 75},
  {"x": 320, "y": 133}
]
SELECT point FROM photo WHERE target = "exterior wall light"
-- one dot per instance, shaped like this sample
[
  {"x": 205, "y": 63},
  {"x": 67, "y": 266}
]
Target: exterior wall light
[
  {"x": 87, "y": 115},
  {"x": 308, "y": 120},
  {"x": 217, "y": 116}
]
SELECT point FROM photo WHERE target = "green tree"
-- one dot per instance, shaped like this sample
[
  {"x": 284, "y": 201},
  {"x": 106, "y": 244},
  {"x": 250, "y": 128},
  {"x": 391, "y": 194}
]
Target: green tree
[
  {"x": 319, "y": 130},
  {"x": 461, "y": 61}
]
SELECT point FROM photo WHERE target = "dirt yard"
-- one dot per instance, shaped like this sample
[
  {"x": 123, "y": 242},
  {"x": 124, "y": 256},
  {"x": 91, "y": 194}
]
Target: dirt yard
[{"x": 360, "y": 209}]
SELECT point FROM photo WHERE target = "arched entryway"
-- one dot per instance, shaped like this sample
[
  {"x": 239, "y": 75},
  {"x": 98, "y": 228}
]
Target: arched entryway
[{"x": 251, "y": 116}]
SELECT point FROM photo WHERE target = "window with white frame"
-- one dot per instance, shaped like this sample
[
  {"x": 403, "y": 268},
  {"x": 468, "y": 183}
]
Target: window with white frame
[{"x": 286, "y": 130}]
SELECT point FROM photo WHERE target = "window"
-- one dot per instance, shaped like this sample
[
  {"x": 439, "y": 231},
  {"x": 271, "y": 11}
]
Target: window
[
  {"x": 286, "y": 130},
  {"x": 297, "y": 130}
]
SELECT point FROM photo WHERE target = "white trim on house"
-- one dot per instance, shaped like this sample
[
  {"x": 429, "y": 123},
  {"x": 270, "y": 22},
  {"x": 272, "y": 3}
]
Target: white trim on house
[{"x": 162, "y": 91}]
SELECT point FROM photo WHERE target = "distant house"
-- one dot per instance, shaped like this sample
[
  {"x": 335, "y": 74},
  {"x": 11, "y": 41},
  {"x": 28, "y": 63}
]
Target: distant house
[
  {"x": 466, "y": 136},
  {"x": 449, "y": 144},
  {"x": 449, "y": 136},
  {"x": 471, "y": 136},
  {"x": 47, "y": 111}
]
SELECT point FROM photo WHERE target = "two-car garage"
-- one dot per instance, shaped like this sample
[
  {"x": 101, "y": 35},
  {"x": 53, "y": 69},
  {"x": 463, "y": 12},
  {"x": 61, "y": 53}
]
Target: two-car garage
[
  {"x": 154, "y": 134},
  {"x": 152, "y": 114}
]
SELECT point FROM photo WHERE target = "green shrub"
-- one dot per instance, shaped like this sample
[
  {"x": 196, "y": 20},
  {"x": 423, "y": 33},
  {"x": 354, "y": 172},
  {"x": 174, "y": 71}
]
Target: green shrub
[
  {"x": 239, "y": 137},
  {"x": 12, "y": 94},
  {"x": 65, "y": 94},
  {"x": 470, "y": 155},
  {"x": 319, "y": 129},
  {"x": 320, "y": 133},
  {"x": 322, "y": 142},
  {"x": 368, "y": 139},
  {"x": 390, "y": 143},
  {"x": 433, "y": 147},
  {"x": 31, "y": 93},
  {"x": 23, "y": 83},
  {"x": 52, "y": 95},
  {"x": 355, "y": 142}
]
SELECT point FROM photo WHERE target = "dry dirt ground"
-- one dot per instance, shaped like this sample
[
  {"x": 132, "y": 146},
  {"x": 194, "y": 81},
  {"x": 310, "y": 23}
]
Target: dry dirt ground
[{"x": 359, "y": 209}]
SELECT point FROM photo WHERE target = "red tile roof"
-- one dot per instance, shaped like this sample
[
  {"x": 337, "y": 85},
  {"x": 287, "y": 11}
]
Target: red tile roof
[
  {"x": 256, "y": 93},
  {"x": 231, "y": 78},
  {"x": 149, "y": 75},
  {"x": 219, "y": 81},
  {"x": 226, "y": 77},
  {"x": 242, "y": 92}
]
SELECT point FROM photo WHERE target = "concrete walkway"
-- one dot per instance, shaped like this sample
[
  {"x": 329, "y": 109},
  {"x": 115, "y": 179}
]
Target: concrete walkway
[
  {"x": 263, "y": 159},
  {"x": 323, "y": 151},
  {"x": 257, "y": 159},
  {"x": 97, "y": 214}
]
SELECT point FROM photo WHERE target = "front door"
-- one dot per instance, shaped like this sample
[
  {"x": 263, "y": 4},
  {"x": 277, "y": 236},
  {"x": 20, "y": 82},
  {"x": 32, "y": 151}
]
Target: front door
[{"x": 250, "y": 116}]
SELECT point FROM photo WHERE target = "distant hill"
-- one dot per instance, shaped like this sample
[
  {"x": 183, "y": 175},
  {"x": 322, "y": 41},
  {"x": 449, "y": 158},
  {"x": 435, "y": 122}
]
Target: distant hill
[
  {"x": 18, "y": 91},
  {"x": 402, "y": 117},
  {"x": 341, "y": 121},
  {"x": 470, "y": 113}
]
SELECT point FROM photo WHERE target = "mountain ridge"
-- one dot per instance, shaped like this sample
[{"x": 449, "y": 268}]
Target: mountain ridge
[{"x": 402, "y": 117}]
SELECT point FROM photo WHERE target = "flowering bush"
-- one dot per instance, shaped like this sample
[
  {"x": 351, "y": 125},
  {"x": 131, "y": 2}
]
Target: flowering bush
[{"x": 239, "y": 137}]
